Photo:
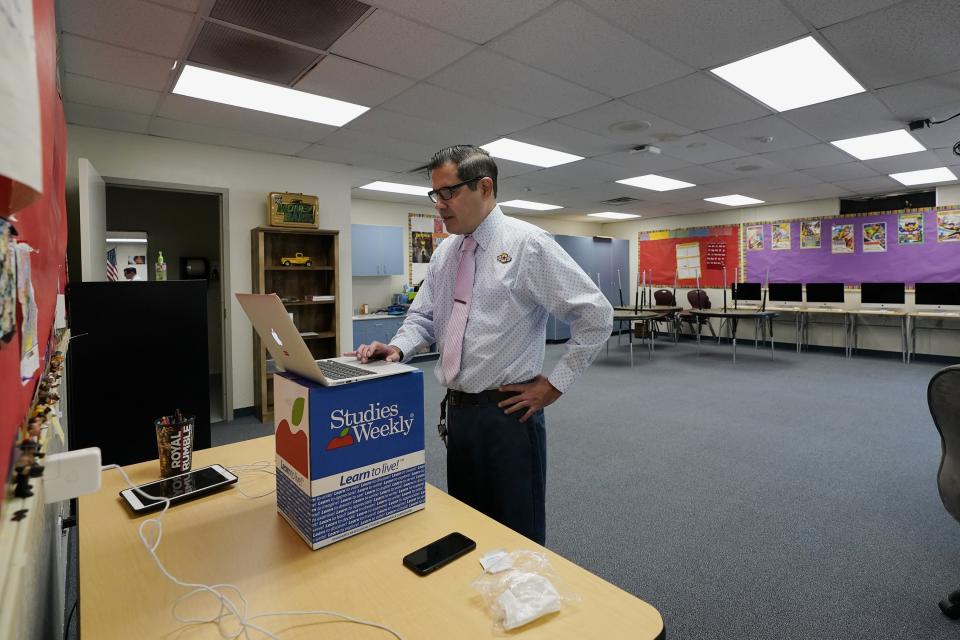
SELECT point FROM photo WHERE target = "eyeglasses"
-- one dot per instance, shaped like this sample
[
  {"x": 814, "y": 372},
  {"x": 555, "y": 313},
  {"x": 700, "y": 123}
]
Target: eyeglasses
[{"x": 445, "y": 193}]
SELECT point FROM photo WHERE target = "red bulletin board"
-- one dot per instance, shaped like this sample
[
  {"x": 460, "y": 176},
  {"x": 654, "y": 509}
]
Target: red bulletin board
[
  {"x": 657, "y": 252},
  {"x": 42, "y": 225}
]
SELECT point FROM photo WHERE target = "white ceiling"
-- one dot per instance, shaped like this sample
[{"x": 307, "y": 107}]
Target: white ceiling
[{"x": 590, "y": 77}]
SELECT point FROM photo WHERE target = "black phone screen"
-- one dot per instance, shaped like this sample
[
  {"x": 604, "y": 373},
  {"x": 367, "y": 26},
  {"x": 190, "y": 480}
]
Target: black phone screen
[
  {"x": 438, "y": 553},
  {"x": 182, "y": 485}
]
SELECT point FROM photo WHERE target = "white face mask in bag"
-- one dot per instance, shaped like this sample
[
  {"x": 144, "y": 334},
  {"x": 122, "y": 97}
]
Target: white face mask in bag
[{"x": 528, "y": 596}]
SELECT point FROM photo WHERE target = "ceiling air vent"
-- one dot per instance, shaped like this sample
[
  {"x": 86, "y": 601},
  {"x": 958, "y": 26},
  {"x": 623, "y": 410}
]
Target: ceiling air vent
[{"x": 619, "y": 202}]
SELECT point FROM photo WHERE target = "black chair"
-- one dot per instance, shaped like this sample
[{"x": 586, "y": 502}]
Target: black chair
[
  {"x": 698, "y": 299},
  {"x": 943, "y": 398},
  {"x": 665, "y": 298}
]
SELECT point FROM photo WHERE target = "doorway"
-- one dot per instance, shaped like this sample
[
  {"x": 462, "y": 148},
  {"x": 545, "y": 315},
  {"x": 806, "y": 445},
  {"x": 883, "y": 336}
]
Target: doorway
[{"x": 187, "y": 228}]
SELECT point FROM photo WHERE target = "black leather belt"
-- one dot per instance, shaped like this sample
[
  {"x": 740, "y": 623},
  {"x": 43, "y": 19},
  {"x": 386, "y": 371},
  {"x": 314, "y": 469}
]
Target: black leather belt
[{"x": 490, "y": 396}]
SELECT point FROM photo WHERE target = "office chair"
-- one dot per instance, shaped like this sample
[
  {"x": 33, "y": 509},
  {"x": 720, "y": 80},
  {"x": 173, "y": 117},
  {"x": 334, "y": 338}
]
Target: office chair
[
  {"x": 698, "y": 299},
  {"x": 943, "y": 398}
]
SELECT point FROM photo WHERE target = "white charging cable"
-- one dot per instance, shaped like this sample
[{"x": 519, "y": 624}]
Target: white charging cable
[
  {"x": 261, "y": 466},
  {"x": 229, "y": 608}
]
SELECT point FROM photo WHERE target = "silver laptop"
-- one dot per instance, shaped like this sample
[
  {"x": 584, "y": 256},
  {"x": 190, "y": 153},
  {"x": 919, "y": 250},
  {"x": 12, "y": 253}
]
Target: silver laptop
[{"x": 290, "y": 352}]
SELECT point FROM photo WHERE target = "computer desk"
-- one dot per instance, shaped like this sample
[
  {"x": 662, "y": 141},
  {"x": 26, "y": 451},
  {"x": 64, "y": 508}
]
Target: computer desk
[
  {"x": 228, "y": 538},
  {"x": 890, "y": 313},
  {"x": 913, "y": 316}
]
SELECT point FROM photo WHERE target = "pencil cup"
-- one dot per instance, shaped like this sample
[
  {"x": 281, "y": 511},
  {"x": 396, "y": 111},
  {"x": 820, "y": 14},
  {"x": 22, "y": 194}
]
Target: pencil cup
[{"x": 175, "y": 445}]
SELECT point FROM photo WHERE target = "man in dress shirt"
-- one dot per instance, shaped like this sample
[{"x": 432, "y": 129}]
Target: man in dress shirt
[{"x": 485, "y": 301}]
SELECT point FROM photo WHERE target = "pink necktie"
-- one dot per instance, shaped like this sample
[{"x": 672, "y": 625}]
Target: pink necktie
[{"x": 462, "y": 293}]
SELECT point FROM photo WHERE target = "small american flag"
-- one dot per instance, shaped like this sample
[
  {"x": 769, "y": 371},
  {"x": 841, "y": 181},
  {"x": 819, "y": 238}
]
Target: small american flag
[{"x": 112, "y": 274}]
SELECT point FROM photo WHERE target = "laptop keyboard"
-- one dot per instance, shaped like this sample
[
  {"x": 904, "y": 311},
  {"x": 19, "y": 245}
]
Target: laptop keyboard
[{"x": 340, "y": 371}]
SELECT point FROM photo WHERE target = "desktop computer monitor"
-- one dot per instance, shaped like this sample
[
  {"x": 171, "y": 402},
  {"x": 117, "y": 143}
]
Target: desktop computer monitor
[
  {"x": 785, "y": 292},
  {"x": 745, "y": 291},
  {"x": 882, "y": 294},
  {"x": 937, "y": 296},
  {"x": 824, "y": 294}
]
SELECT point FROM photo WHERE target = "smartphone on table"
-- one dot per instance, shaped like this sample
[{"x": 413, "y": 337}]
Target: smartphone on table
[
  {"x": 438, "y": 553},
  {"x": 180, "y": 488}
]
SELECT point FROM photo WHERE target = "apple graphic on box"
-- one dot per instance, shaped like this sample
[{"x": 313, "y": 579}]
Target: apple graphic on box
[{"x": 345, "y": 439}]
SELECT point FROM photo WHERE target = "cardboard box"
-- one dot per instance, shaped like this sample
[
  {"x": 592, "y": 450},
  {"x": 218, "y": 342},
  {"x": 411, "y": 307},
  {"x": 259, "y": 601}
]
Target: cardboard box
[{"x": 349, "y": 457}]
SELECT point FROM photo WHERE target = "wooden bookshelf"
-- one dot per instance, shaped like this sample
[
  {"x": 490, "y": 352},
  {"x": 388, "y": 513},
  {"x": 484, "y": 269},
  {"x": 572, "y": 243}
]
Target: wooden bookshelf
[{"x": 296, "y": 285}]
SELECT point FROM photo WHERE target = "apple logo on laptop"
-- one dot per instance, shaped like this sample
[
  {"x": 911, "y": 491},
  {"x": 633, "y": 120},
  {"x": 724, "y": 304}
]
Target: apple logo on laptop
[{"x": 276, "y": 339}]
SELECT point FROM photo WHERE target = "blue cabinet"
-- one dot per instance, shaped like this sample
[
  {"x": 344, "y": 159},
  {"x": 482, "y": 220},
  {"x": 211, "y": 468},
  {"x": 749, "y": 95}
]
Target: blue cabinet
[
  {"x": 381, "y": 329},
  {"x": 376, "y": 250},
  {"x": 603, "y": 259}
]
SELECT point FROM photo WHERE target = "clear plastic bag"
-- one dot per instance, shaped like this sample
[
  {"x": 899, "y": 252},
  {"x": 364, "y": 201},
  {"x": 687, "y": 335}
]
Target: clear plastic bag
[{"x": 523, "y": 588}]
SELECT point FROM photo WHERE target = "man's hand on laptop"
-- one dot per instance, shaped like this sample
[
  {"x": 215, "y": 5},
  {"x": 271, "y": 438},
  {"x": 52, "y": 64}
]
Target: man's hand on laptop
[{"x": 376, "y": 351}]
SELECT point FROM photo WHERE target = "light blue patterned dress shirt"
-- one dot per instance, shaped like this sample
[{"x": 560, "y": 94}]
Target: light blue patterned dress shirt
[{"x": 522, "y": 276}]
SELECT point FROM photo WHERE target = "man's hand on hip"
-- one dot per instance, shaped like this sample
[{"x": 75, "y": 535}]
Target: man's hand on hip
[
  {"x": 375, "y": 351},
  {"x": 531, "y": 396}
]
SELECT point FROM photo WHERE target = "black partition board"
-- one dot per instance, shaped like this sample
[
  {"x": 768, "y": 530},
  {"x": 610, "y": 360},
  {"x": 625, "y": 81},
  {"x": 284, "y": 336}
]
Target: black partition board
[{"x": 138, "y": 352}]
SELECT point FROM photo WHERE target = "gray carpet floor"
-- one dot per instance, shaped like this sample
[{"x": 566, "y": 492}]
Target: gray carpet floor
[{"x": 782, "y": 498}]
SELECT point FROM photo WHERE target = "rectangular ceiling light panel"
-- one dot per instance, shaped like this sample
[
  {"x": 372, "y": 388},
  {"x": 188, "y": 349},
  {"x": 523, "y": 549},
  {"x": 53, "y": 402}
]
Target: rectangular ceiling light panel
[
  {"x": 613, "y": 215},
  {"x": 224, "y": 88},
  {"x": 528, "y": 153},
  {"x": 879, "y": 145},
  {"x": 656, "y": 183},
  {"x": 396, "y": 187},
  {"x": 735, "y": 200},
  {"x": 527, "y": 204},
  {"x": 924, "y": 176},
  {"x": 793, "y": 75}
]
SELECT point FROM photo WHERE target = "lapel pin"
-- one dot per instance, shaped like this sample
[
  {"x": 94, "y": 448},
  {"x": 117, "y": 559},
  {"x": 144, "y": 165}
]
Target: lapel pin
[{"x": 504, "y": 258}]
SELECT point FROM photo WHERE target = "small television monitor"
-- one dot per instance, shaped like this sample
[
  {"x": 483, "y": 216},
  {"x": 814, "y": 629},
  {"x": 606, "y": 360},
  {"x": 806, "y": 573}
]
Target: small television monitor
[
  {"x": 937, "y": 295},
  {"x": 882, "y": 294},
  {"x": 746, "y": 290},
  {"x": 824, "y": 294},
  {"x": 785, "y": 292}
]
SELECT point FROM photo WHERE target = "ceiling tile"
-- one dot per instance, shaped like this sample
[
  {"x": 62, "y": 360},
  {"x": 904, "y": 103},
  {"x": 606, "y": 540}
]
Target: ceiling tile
[
  {"x": 698, "y": 101},
  {"x": 747, "y": 167},
  {"x": 823, "y": 13},
  {"x": 704, "y": 34},
  {"x": 934, "y": 98},
  {"x": 905, "y": 162},
  {"x": 643, "y": 163},
  {"x": 342, "y": 79},
  {"x": 841, "y": 172},
  {"x": 749, "y": 135},
  {"x": 700, "y": 148},
  {"x": 612, "y": 120},
  {"x": 101, "y": 118},
  {"x": 519, "y": 188},
  {"x": 572, "y": 43},
  {"x": 495, "y": 78},
  {"x": 439, "y": 105},
  {"x": 184, "y": 5},
  {"x": 133, "y": 24},
  {"x": 939, "y": 135},
  {"x": 908, "y": 41},
  {"x": 360, "y": 176},
  {"x": 555, "y": 135},
  {"x": 406, "y": 150},
  {"x": 812, "y": 192},
  {"x": 509, "y": 169},
  {"x": 225, "y": 116},
  {"x": 248, "y": 54},
  {"x": 311, "y": 23},
  {"x": 399, "y": 45},
  {"x": 115, "y": 64},
  {"x": 224, "y": 137},
  {"x": 403, "y": 127},
  {"x": 759, "y": 184},
  {"x": 356, "y": 157},
  {"x": 878, "y": 184},
  {"x": 467, "y": 19},
  {"x": 699, "y": 175},
  {"x": 577, "y": 174},
  {"x": 84, "y": 90},
  {"x": 849, "y": 117},
  {"x": 816, "y": 155}
]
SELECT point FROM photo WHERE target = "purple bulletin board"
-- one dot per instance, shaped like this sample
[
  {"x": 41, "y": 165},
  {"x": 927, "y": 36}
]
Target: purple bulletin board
[{"x": 930, "y": 261}]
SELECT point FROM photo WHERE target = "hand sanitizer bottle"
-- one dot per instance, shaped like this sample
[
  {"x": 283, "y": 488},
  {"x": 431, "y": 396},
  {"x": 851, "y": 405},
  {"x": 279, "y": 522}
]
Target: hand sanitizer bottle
[{"x": 161, "y": 267}]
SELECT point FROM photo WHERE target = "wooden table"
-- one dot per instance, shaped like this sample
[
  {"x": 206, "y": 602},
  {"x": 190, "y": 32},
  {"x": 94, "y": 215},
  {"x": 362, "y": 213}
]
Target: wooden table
[
  {"x": 806, "y": 312},
  {"x": 228, "y": 538},
  {"x": 733, "y": 316},
  {"x": 631, "y": 316},
  {"x": 913, "y": 316}
]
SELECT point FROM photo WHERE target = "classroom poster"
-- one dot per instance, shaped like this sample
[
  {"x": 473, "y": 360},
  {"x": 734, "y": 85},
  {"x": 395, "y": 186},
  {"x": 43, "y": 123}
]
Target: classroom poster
[
  {"x": 874, "y": 237},
  {"x": 29, "y": 344},
  {"x": 910, "y": 228},
  {"x": 8, "y": 283},
  {"x": 780, "y": 236},
  {"x": 755, "y": 237},
  {"x": 688, "y": 260},
  {"x": 841, "y": 239},
  {"x": 810, "y": 234},
  {"x": 948, "y": 226},
  {"x": 424, "y": 232}
]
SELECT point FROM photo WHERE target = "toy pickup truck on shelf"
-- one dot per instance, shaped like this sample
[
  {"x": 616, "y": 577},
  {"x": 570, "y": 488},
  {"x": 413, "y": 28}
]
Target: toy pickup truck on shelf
[{"x": 298, "y": 260}]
